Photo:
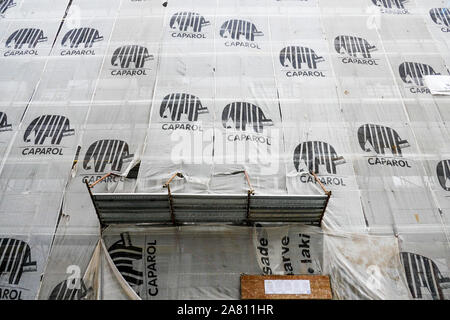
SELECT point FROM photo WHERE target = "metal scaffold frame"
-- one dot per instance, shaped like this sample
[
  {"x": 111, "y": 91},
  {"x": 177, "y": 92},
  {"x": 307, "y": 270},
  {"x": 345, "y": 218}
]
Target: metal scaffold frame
[{"x": 183, "y": 208}]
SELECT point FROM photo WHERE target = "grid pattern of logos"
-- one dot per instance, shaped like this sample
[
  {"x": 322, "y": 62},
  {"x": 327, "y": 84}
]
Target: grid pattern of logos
[{"x": 277, "y": 88}]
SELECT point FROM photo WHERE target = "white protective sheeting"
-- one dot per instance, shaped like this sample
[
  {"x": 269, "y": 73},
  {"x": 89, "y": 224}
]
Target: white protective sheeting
[
  {"x": 364, "y": 267},
  {"x": 211, "y": 89},
  {"x": 114, "y": 130},
  {"x": 35, "y": 153},
  {"x": 203, "y": 262}
]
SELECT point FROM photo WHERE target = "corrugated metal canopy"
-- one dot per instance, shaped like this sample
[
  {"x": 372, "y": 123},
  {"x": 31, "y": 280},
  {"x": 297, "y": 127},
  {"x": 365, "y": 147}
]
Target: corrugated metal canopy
[{"x": 195, "y": 208}]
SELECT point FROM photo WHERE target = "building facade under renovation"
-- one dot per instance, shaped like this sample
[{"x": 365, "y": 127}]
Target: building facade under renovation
[{"x": 155, "y": 149}]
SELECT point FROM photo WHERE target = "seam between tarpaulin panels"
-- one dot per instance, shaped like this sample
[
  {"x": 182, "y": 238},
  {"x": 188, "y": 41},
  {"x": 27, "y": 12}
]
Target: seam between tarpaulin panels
[
  {"x": 79, "y": 143},
  {"x": 340, "y": 112},
  {"x": 140, "y": 177},
  {"x": 436, "y": 104},
  {"x": 322, "y": 28},
  {"x": 11, "y": 143},
  {"x": 277, "y": 86},
  {"x": 437, "y": 50},
  {"x": 30, "y": 100},
  {"x": 91, "y": 102},
  {"x": 408, "y": 119},
  {"x": 213, "y": 152},
  {"x": 68, "y": 176},
  {"x": 47, "y": 59},
  {"x": 394, "y": 226}
]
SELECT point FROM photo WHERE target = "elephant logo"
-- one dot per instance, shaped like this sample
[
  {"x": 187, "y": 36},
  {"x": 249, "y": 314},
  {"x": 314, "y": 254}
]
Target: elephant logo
[
  {"x": 26, "y": 36},
  {"x": 4, "y": 126},
  {"x": 353, "y": 46},
  {"x": 123, "y": 254},
  {"x": 389, "y": 4},
  {"x": 15, "y": 259},
  {"x": 107, "y": 152},
  {"x": 125, "y": 55},
  {"x": 188, "y": 21},
  {"x": 377, "y": 138},
  {"x": 5, "y": 5},
  {"x": 312, "y": 154},
  {"x": 77, "y": 36},
  {"x": 48, "y": 126},
  {"x": 413, "y": 72},
  {"x": 443, "y": 173},
  {"x": 238, "y": 115},
  {"x": 295, "y": 57},
  {"x": 422, "y": 273},
  {"x": 440, "y": 16},
  {"x": 175, "y": 105},
  {"x": 234, "y": 29},
  {"x": 68, "y": 290}
]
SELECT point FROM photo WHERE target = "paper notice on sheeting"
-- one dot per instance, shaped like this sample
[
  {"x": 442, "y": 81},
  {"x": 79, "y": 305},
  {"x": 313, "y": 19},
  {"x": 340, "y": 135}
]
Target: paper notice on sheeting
[
  {"x": 438, "y": 85},
  {"x": 287, "y": 287}
]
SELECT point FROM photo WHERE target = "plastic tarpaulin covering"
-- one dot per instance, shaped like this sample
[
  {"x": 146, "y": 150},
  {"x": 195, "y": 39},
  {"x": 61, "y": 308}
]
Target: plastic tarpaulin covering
[
  {"x": 211, "y": 89},
  {"x": 194, "y": 262},
  {"x": 34, "y": 161},
  {"x": 364, "y": 267},
  {"x": 115, "y": 127}
]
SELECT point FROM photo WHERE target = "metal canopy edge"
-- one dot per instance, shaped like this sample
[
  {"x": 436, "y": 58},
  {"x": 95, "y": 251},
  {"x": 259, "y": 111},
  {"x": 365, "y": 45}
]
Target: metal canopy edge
[{"x": 179, "y": 208}]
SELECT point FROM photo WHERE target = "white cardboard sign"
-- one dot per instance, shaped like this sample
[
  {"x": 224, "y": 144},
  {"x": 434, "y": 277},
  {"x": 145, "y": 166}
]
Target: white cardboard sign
[{"x": 287, "y": 287}]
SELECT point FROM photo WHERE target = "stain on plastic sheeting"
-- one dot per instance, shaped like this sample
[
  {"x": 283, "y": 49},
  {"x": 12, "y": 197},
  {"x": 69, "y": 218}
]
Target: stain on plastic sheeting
[
  {"x": 363, "y": 271},
  {"x": 382, "y": 256}
]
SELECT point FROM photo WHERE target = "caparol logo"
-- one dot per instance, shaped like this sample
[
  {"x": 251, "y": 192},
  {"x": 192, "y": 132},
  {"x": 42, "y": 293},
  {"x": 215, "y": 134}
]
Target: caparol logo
[
  {"x": 241, "y": 116},
  {"x": 80, "y": 37},
  {"x": 131, "y": 260},
  {"x": 412, "y": 73},
  {"x": 188, "y": 25},
  {"x": 391, "y": 6},
  {"x": 423, "y": 273},
  {"x": 130, "y": 61},
  {"x": 104, "y": 156},
  {"x": 441, "y": 17},
  {"x": 4, "y": 125},
  {"x": 70, "y": 289},
  {"x": 240, "y": 30},
  {"x": 25, "y": 37},
  {"x": 310, "y": 155},
  {"x": 355, "y": 50},
  {"x": 123, "y": 254},
  {"x": 15, "y": 260},
  {"x": 443, "y": 174},
  {"x": 45, "y": 133},
  {"x": 377, "y": 138},
  {"x": 5, "y": 5},
  {"x": 178, "y": 111},
  {"x": 300, "y": 61}
]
